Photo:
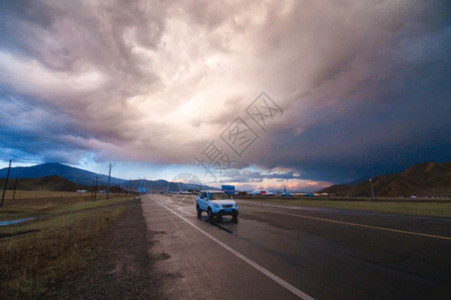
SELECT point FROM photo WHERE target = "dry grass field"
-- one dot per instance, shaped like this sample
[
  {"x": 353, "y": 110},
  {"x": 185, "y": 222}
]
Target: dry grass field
[
  {"x": 38, "y": 255},
  {"x": 37, "y": 203}
]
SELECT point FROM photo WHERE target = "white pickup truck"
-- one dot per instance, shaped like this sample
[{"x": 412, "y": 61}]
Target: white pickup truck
[{"x": 216, "y": 204}]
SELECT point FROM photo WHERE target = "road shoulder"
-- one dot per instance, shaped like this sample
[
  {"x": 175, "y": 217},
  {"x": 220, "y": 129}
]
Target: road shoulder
[{"x": 121, "y": 268}]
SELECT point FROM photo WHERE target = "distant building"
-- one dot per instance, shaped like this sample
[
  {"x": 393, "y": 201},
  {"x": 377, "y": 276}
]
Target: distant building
[
  {"x": 262, "y": 192},
  {"x": 258, "y": 192},
  {"x": 81, "y": 191}
]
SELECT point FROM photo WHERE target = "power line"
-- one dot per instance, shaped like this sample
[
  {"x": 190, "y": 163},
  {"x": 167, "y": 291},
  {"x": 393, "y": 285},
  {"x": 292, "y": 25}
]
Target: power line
[
  {"x": 40, "y": 132},
  {"x": 8, "y": 95},
  {"x": 28, "y": 109},
  {"x": 19, "y": 158}
]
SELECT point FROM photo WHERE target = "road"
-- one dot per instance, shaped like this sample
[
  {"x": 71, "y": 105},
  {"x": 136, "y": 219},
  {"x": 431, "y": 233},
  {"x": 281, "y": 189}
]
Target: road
[{"x": 285, "y": 252}]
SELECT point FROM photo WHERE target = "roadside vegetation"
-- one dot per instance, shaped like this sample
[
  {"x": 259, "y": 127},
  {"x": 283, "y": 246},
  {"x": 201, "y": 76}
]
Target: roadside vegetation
[
  {"x": 37, "y": 256},
  {"x": 436, "y": 208},
  {"x": 41, "y": 203}
]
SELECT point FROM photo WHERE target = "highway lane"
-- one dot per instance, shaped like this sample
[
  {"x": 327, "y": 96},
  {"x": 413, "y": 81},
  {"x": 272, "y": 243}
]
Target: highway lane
[{"x": 322, "y": 253}]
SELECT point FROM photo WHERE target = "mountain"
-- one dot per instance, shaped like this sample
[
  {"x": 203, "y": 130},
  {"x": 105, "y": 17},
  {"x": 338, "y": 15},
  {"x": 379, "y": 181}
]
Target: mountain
[
  {"x": 48, "y": 183},
  {"x": 86, "y": 178},
  {"x": 425, "y": 179},
  {"x": 53, "y": 183},
  {"x": 163, "y": 185},
  {"x": 76, "y": 175}
]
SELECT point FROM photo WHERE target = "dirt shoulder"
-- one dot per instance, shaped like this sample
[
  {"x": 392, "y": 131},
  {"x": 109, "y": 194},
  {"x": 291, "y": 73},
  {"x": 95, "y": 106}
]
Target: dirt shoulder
[{"x": 121, "y": 267}]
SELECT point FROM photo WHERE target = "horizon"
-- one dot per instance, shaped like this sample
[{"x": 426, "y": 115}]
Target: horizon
[
  {"x": 218, "y": 186},
  {"x": 4, "y": 167},
  {"x": 300, "y": 95}
]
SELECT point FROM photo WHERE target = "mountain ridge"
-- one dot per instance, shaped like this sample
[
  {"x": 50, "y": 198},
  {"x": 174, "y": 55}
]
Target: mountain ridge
[
  {"x": 47, "y": 183},
  {"x": 87, "y": 178},
  {"x": 74, "y": 174},
  {"x": 424, "y": 179}
]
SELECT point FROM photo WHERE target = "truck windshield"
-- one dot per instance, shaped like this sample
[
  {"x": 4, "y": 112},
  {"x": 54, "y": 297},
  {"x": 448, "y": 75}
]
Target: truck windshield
[{"x": 219, "y": 196}]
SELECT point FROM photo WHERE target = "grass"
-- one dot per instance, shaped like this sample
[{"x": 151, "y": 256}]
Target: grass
[
  {"x": 420, "y": 208},
  {"x": 36, "y": 256},
  {"x": 47, "y": 202},
  {"x": 42, "y": 194}
]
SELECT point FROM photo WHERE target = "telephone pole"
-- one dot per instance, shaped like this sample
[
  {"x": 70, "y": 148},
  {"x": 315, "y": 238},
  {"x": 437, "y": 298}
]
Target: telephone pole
[
  {"x": 108, "y": 187},
  {"x": 92, "y": 191},
  {"x": 15, "y": 187},
  {"x": 6, "y": 183},
  {"x": 95, "y": 189},
  {"x": 371, "y": 185}
]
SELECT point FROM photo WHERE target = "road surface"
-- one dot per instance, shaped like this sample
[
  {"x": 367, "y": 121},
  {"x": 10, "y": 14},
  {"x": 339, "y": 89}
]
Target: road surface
[{"x": 284, "y": 252}]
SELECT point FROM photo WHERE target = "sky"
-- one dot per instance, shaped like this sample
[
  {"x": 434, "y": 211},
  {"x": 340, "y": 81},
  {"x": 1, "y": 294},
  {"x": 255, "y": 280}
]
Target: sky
[{"x": 260, "y": 94}]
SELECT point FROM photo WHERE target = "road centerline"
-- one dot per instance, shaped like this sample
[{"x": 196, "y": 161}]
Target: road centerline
[
  {"x": 363, "y": 225},
  {"x": 247, "y": 260}
]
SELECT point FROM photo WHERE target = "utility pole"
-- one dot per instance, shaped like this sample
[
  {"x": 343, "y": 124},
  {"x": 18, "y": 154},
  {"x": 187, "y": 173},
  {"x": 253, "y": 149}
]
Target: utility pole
[
  {"x": 108, "y": 188},
  {"x": 15, "y": 187},
  {"x": 371, "y": 185},
  {"x": 95, "y": 189},
  {"x": 6, "y": 183},
  {"x": 92, "y": 191}
]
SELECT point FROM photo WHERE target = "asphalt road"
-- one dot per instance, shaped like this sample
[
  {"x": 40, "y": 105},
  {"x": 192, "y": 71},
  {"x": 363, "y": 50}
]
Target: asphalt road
[{"x": 284, "y": 252}]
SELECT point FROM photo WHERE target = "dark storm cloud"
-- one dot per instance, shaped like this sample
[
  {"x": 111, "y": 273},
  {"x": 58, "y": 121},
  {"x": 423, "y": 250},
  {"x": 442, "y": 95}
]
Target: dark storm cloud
[
  {"x": 69, "y": 40},
  {"x": 364, "y": 85},
  {"x": 375, "y": 105},
  {"x": 44, "y": 131}
]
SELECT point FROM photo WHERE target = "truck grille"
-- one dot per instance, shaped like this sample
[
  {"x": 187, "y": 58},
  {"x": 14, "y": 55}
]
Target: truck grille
[{"x": 227, "y": 205}]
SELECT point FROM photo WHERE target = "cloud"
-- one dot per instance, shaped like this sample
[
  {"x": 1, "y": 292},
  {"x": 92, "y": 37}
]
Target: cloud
[
  {"x": 276, "y": 179},
  {"x": 364, "y": 85}
]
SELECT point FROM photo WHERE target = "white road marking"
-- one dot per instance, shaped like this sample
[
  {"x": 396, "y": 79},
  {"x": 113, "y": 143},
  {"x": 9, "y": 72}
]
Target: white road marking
[
  {"x": 253, "y": 264},
  {"x": 364, "y": 226}
]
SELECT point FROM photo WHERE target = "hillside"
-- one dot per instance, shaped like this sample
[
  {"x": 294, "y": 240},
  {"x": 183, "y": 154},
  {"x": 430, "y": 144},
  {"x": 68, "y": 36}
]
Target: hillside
[
  {"x": 86, "y": 178},
  {"x": 426, "y": 179},
  {"x": 76, "y": 175},
  {"x": 48, "y": 183},
  {"x": 53, "y": 183}
]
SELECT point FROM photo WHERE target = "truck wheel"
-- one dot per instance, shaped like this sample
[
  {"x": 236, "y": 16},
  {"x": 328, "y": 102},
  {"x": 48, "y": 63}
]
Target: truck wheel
[
  {"x": 211, "y": 216},
  {"x": 199, "y": 211},
  {"x": 235, "y": 218}
]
